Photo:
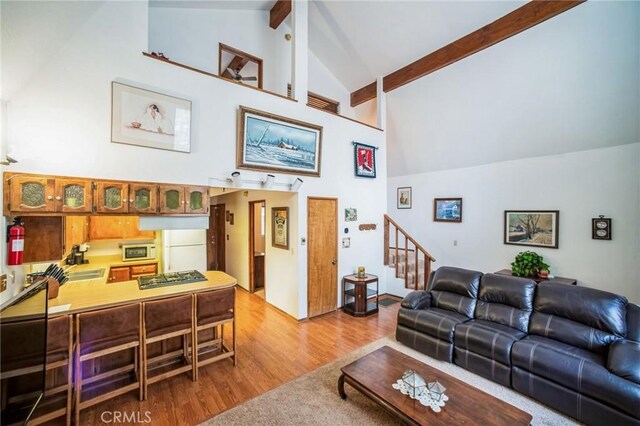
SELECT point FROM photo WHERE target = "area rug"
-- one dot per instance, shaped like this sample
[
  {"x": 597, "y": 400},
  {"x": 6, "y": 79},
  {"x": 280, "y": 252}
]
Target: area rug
[
  {"x": 312, "y": 399},
  {"x": 387, "y": 301}
]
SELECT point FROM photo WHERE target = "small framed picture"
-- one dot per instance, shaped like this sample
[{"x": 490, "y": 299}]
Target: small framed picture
[
  {"x": 280, "y": 227},
  {"x": 350, "y": 214},
  {"x": 364, "y": 160},
  {"x": 536, "y": 228},
  {"x": 404, "y": 197},
  {"x": 230, "y": 218},
  {"x": 601, "y": 228},
  {"x": 447, "y": 209}
]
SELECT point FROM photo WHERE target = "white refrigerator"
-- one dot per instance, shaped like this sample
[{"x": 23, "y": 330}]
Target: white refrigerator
[{"x": 184, "y": 250}]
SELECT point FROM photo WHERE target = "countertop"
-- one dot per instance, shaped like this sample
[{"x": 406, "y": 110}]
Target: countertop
[{"x": 88, "y": 295}]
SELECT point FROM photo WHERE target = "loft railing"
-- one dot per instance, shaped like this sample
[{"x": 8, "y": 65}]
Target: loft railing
[{"x": 411, "y": 248}]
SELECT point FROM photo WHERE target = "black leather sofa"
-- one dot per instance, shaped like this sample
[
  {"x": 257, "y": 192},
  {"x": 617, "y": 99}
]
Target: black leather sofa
[{"x": 573, "y": 348}]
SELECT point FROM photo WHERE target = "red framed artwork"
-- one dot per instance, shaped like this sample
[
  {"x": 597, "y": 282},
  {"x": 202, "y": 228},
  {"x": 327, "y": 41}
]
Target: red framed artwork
[{"x": 364, "y": 160}]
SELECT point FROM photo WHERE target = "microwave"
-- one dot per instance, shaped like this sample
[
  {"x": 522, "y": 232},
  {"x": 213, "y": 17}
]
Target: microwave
[{"x": 138, "y": 252}]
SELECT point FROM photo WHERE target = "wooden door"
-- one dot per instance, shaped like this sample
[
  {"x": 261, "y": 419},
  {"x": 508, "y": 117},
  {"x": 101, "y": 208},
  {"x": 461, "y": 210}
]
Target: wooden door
[
  {"x": 197, "y": 199},
  {"x": 216, "y": 260},
  {"x": 131, "y": 229},
  {"x": 74, "y": 195},
  {"x": 31, "y": 194},
  {"x": 256, "y": 249},
  {"x": 43, "y": 238},
  {"x": 322, "y": 255},
  {"x": 106, "y": 227},
  {"x": 75, "y": 231},
  {"x": 143, "y": 198},
  {"x": 119, "y": 274},
  {"x": 112, "y": 197},
  {"x": 171, "y": 199}
]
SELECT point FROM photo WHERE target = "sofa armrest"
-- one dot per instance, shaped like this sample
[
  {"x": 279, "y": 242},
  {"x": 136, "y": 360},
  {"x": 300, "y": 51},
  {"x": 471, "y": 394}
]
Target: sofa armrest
[
  {"x": 623, "y": 359},
  {"x": 417, "y": 300}
]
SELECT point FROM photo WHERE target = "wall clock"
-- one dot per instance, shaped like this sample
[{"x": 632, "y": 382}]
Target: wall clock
[{"x": 601, "y": 228}]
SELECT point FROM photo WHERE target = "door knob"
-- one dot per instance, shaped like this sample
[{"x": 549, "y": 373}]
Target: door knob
[{"x": 333, "y": 262}]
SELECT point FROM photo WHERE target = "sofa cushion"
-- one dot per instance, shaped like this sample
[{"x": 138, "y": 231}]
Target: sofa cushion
[
  {"x": 455, "y": 289},
  {"x": 624, "y": 359},
  {"x": 488, "y": 339},
  {"x": 580, "y": 316},
  {"x": 633, "y": 322},
  {"x": 506, "y": 300},
  {"x": 416, "y": 300},
  {"x": 435, "y": 322},
  {"x": 577, "y": 369}
]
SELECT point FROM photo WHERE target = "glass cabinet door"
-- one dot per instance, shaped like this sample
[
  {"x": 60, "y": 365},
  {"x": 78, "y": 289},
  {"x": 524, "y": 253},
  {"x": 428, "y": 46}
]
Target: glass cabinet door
[
  {"x": 31, "y": 194},
  {"x": 112, "y": 197},
  {"x": 73, "y": 195},
  {"x": 197, "y": 200},
  {"x": 142, "y": 198},
  {"x": 171, "y": 199}
]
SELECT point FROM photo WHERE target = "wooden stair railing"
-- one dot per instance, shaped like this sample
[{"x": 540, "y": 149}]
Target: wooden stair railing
[{"x": 417, "y": 249}]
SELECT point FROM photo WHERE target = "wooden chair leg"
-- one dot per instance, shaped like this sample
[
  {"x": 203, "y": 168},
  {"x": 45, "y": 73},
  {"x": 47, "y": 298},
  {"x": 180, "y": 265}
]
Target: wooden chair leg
[
  {"x": 235, "y": 356},
  {"x": 78, "y": 374}
]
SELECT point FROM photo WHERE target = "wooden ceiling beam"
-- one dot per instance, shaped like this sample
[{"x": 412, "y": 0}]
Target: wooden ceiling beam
[
  {"x": 236, "y": 64},
  {"x": 279, "y": 13},
  {"x": 521, "y": 19}
]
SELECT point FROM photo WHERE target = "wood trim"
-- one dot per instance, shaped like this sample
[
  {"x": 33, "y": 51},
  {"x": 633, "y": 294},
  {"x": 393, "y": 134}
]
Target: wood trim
[
  {"x": 364, "y": 94},
  {"x": 279, "y": 13},
  {"x": 252, "y": 242},
  {"x": 208, "y": 74},
  {"x": 346, "y": 118},
  {"x": 521, "y": 19}
]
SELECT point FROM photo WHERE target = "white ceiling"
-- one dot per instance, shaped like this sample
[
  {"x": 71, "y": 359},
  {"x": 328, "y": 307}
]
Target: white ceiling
[
  {"x": 361, "y": 40},
  {"x": 215, "y": 4}
]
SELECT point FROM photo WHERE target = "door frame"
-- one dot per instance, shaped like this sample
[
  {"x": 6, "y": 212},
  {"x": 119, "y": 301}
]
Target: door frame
[
  {"x": 252, "y": 245},
  {"x": 309, "y": 198},
  {"x": 224, "y": 235}
]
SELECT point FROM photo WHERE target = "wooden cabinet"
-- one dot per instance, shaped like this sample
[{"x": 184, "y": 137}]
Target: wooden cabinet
[
  {"x": 73, "y": 195},
  {"x": 43, "y": 238},
  {"x": 359, "y": 298},
  {"x": 143, "y": 198},
  {"x": 176, "y": 199},
  {"x": 76, "y": 231},
  {"x": 112, "y": 197},
  {"x": 126, "y": 273},
  {"x": 31, "y": 194},
  {"x": 117, "y": 228},
  {"x": 118, "y": 274}
]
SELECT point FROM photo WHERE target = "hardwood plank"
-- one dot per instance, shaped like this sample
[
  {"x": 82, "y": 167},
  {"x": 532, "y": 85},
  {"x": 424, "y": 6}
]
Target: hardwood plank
[
  {"x": 279, "y": 13},
  {"x": 273, "y": 349},
  {"x": 521, "y": 19}
]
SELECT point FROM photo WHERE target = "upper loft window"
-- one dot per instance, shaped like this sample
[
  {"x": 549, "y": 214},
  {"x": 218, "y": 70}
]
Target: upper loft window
[
  {"x": 320, "y": 102},
  {"x": 239, "y": 66}
]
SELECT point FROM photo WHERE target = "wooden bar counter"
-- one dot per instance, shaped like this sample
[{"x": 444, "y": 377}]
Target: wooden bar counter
[{"x": 90, "y": 295}]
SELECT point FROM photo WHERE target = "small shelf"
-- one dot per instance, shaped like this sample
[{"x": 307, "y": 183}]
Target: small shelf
[
  {"x": 350, "y": 308},
  {"x": 352, "y": 292},
  {"x": 360, "y": 295}
]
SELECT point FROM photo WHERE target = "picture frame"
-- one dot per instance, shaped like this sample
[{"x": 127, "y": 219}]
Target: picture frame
[
  {"x": 280, "y": 227},
  {"x": 364, "y": 157},
  {"x": 269, "y": 142},
  {"x": 150, "y": 119},
  {"x": 601, "y": 228},
  {"x": 447, "y": 210},
  {"x": 534, "y": 228},
  {"x": 403, "y": 198},
  {"x": 350, "y": 214}
]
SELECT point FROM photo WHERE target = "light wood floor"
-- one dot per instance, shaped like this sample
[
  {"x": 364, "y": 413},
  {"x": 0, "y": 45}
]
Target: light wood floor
[{"x": 272, "y": 349}]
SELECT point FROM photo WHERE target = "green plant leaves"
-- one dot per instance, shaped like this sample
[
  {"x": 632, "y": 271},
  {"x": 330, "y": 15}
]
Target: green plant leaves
[{"x": 528, "y": 263}]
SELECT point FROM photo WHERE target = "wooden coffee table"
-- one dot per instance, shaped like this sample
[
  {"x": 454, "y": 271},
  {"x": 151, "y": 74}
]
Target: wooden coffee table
[{"x": 374, "y": 374}]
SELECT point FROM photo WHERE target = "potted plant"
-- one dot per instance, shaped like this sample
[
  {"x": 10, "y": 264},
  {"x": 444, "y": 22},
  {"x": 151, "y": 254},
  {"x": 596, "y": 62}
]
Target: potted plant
[{"x": 529, "y": 264}]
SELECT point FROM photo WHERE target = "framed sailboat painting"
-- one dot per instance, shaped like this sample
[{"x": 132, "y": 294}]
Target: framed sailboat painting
[{"x": 270, "y": 142}]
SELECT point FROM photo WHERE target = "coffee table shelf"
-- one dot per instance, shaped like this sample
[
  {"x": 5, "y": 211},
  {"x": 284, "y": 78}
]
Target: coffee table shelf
[{"x": 359, "y": 296}]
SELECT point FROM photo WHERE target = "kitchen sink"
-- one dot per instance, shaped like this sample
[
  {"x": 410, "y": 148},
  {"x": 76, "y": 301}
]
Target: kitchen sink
[{"x": 86, "y": 275}]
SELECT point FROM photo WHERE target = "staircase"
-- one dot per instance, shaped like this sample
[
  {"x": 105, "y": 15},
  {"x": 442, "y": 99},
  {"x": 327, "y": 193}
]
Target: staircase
[{"x": 402, "y": 253}]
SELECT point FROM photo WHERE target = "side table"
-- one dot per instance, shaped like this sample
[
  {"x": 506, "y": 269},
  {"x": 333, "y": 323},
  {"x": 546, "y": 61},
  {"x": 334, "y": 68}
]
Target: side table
[
  {"x": 358, "y": 295},
  {"x": 538, "y": 280}
]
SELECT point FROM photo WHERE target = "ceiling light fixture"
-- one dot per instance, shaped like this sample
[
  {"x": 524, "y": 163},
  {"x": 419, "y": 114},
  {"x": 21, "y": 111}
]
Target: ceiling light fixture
[
  {"x": 235, "y": 178},
  {"x": 268, "y": 182},
  {"x": 296, "y": 185}
]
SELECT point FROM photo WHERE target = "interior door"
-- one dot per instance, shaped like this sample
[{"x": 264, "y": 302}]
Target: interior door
[
  {"x": 216, "y": 260},
  {"x": 322, "y": 255}
]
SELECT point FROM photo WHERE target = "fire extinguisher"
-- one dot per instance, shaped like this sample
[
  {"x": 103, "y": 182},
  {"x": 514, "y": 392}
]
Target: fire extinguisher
[{"x": 15, "y": 242}]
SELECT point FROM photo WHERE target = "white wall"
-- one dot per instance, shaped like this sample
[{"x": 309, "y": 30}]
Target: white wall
[
  {"x": 191, "y": 36},
  {"x": 569, "y": 84},
  {"x": 581, "y": 185},
  {"x": 59, "y": 121},
  {"x": 281, "y": 266}
]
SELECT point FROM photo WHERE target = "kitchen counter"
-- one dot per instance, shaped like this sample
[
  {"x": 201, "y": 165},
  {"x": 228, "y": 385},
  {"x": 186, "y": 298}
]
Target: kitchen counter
[
  {"x": 97, "y": 262},
  {"x": 89, "y": 295}
]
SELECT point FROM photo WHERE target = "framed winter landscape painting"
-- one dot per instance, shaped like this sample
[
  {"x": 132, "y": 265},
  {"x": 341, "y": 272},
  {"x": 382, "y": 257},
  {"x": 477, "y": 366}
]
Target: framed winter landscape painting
[
  {"x": 537, "y": 228},
  {"x": 270, "y": 142},
  {"x": 145, "y": 118},
  {"x": 365, "y": 160}
]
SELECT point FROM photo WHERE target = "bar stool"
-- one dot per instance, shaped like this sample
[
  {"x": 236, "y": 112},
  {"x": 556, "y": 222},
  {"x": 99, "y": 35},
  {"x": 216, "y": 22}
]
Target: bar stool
[
  {"x": 215, "y": 309},
  {"x": 102, "y": 333},
  {"x": 167, "y": 319},
  {"x": 59, "y": 356}
]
